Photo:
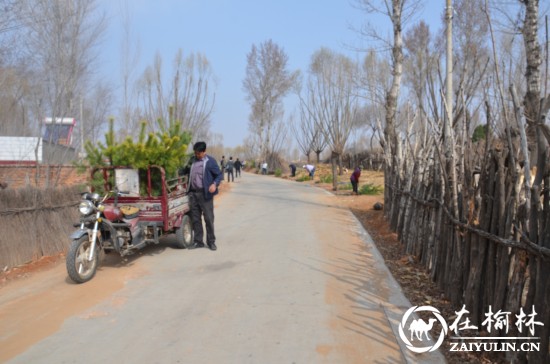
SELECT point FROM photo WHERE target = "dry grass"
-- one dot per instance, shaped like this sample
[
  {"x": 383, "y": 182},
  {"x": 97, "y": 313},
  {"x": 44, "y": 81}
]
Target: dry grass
[{"x": 323, "y": 173}]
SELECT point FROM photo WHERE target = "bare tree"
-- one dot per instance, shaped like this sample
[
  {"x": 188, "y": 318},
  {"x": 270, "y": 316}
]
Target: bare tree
[
  {"x": 14, "y": 119},
  {"x": 472, "y": 57},
  {"x": 96, "y": 109},
  {"x": 332, "y": 101},
  {"x": 151, "y": 98},
  {"x": 60, "y": 40},
  {"x": 193, "y": 92},
  {"x": 397, "y": 11},
  {"x": 253, "y": 148},
  {"x": 190, "y": 94},
  {"x": 130, "y": 51},
  {"x": 420, "y": 61},
  {"x": 401, "y": 10},
  {"x": 300, "y": 129},
  {"x": 373, "y": 82},
  {"x": 278, "y": 142},
  {"x": 267, "y": 82},
  {"x": 308, "y": 134},
  {"x": 215, "y": 144}
]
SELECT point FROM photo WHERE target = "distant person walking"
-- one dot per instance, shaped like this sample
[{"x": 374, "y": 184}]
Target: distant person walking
[
  {"x": 354, "y": 179},
  {"x": 204, "y": 177},
  {"x": 311, "y": 170},
  {"x": 229, "y": 169},
  {"x": 223, "y": 163},
  {"x": 264, "y": 168},
  {"x": 238, "y": 166},
  {"x": 292, "y": 167}
]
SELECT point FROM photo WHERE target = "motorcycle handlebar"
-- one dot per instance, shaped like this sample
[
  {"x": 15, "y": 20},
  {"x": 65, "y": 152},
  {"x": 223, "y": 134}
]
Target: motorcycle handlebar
[{"x": 116, "y": 193}]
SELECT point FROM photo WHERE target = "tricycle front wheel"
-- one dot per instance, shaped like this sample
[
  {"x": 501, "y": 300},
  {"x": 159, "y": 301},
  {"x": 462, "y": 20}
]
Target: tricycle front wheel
[
  {"x": 80, "y": 269},
  {"x": 184, "y": 234}
]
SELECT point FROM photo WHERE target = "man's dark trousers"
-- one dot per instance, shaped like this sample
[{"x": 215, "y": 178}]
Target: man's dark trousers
[{"x": 202, "y": 207}]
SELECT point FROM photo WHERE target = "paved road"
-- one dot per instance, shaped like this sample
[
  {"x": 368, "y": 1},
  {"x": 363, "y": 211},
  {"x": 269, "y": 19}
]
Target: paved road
[{"x": 295, "y": 279}]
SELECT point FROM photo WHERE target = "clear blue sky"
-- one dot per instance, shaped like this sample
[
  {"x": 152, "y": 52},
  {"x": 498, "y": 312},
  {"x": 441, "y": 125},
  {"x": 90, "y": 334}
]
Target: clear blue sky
[{"x": 224, "y": 31}]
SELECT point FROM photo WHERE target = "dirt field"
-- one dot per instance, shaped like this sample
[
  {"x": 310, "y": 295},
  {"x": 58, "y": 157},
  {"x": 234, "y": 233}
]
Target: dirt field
[{"x": 412, "y": 277}]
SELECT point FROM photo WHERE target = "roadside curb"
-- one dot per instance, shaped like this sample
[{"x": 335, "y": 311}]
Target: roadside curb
[{"x": 398, "y": 304}]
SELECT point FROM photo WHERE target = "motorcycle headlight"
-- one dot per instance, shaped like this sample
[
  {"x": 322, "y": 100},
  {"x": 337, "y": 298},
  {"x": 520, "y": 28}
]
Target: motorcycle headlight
[{"x": 86, "y": 207}]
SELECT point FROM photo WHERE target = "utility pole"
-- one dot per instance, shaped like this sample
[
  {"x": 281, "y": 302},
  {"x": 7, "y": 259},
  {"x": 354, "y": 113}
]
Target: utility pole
[{"x": 449, "y": 71}]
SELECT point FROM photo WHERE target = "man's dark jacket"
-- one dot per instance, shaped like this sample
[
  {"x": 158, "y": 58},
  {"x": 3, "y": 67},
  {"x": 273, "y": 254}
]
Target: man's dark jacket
[{"x": 212, "y": 174}]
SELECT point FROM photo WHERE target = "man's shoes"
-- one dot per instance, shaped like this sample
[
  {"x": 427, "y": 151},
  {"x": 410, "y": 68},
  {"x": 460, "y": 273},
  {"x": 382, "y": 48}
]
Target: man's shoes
[
  {"x": 211, "y": 246},
  {"x": 196, "y": 245}
]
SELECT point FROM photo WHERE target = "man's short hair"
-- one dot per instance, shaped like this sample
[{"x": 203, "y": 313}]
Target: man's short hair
[{"x": 199, "y": 147}]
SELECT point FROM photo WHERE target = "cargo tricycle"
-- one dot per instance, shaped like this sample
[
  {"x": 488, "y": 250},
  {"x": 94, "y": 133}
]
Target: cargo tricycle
[{"x": 126, "y": 210}]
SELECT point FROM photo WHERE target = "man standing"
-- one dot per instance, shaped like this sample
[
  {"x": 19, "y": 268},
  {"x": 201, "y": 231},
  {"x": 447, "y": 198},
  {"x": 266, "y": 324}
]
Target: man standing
[
  {"x": 204, "y": 178},
  {"x": 229, "y": 170},
  {"x": 238, "y": 166}
]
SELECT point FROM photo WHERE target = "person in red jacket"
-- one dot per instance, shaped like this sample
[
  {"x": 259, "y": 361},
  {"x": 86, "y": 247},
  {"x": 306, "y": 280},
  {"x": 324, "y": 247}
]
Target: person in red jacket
[{"x": 355, "y": 179}]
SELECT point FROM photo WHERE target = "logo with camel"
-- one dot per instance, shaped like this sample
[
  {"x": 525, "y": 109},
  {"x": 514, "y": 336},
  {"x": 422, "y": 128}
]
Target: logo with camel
[{"x": 418, "y": 329}]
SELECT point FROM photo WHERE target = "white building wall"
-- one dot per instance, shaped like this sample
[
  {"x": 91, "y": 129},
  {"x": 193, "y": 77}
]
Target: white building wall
[{"x": 16, "y": 149}]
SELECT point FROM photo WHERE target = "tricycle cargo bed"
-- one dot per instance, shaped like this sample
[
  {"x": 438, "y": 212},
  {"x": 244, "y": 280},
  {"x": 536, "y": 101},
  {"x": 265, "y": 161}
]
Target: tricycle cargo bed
[
  {"x": 154, "y": 209},
  {"x": 158, "y": 199}
]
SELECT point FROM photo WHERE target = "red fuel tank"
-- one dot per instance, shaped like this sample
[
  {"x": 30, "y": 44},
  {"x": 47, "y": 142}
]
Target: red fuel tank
[{"x": 112, "y": 213}]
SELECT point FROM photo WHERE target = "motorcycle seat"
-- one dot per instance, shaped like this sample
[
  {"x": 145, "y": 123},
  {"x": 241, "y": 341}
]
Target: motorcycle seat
[{"x": 129, "y": 212}]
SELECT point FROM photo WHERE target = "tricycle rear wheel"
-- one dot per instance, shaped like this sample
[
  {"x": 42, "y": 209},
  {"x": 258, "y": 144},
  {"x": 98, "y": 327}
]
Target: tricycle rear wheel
[{"x": 184, "y": 234}]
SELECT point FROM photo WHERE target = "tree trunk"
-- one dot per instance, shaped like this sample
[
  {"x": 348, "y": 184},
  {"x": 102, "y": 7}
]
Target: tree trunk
[
  {"x": 390, "y": 133},
  {"x": 334, "y": 161},
  {"x": 533, "y": 53},
  {"x": 406, "y": 202},
  {"x": 480, "y": 245}
]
